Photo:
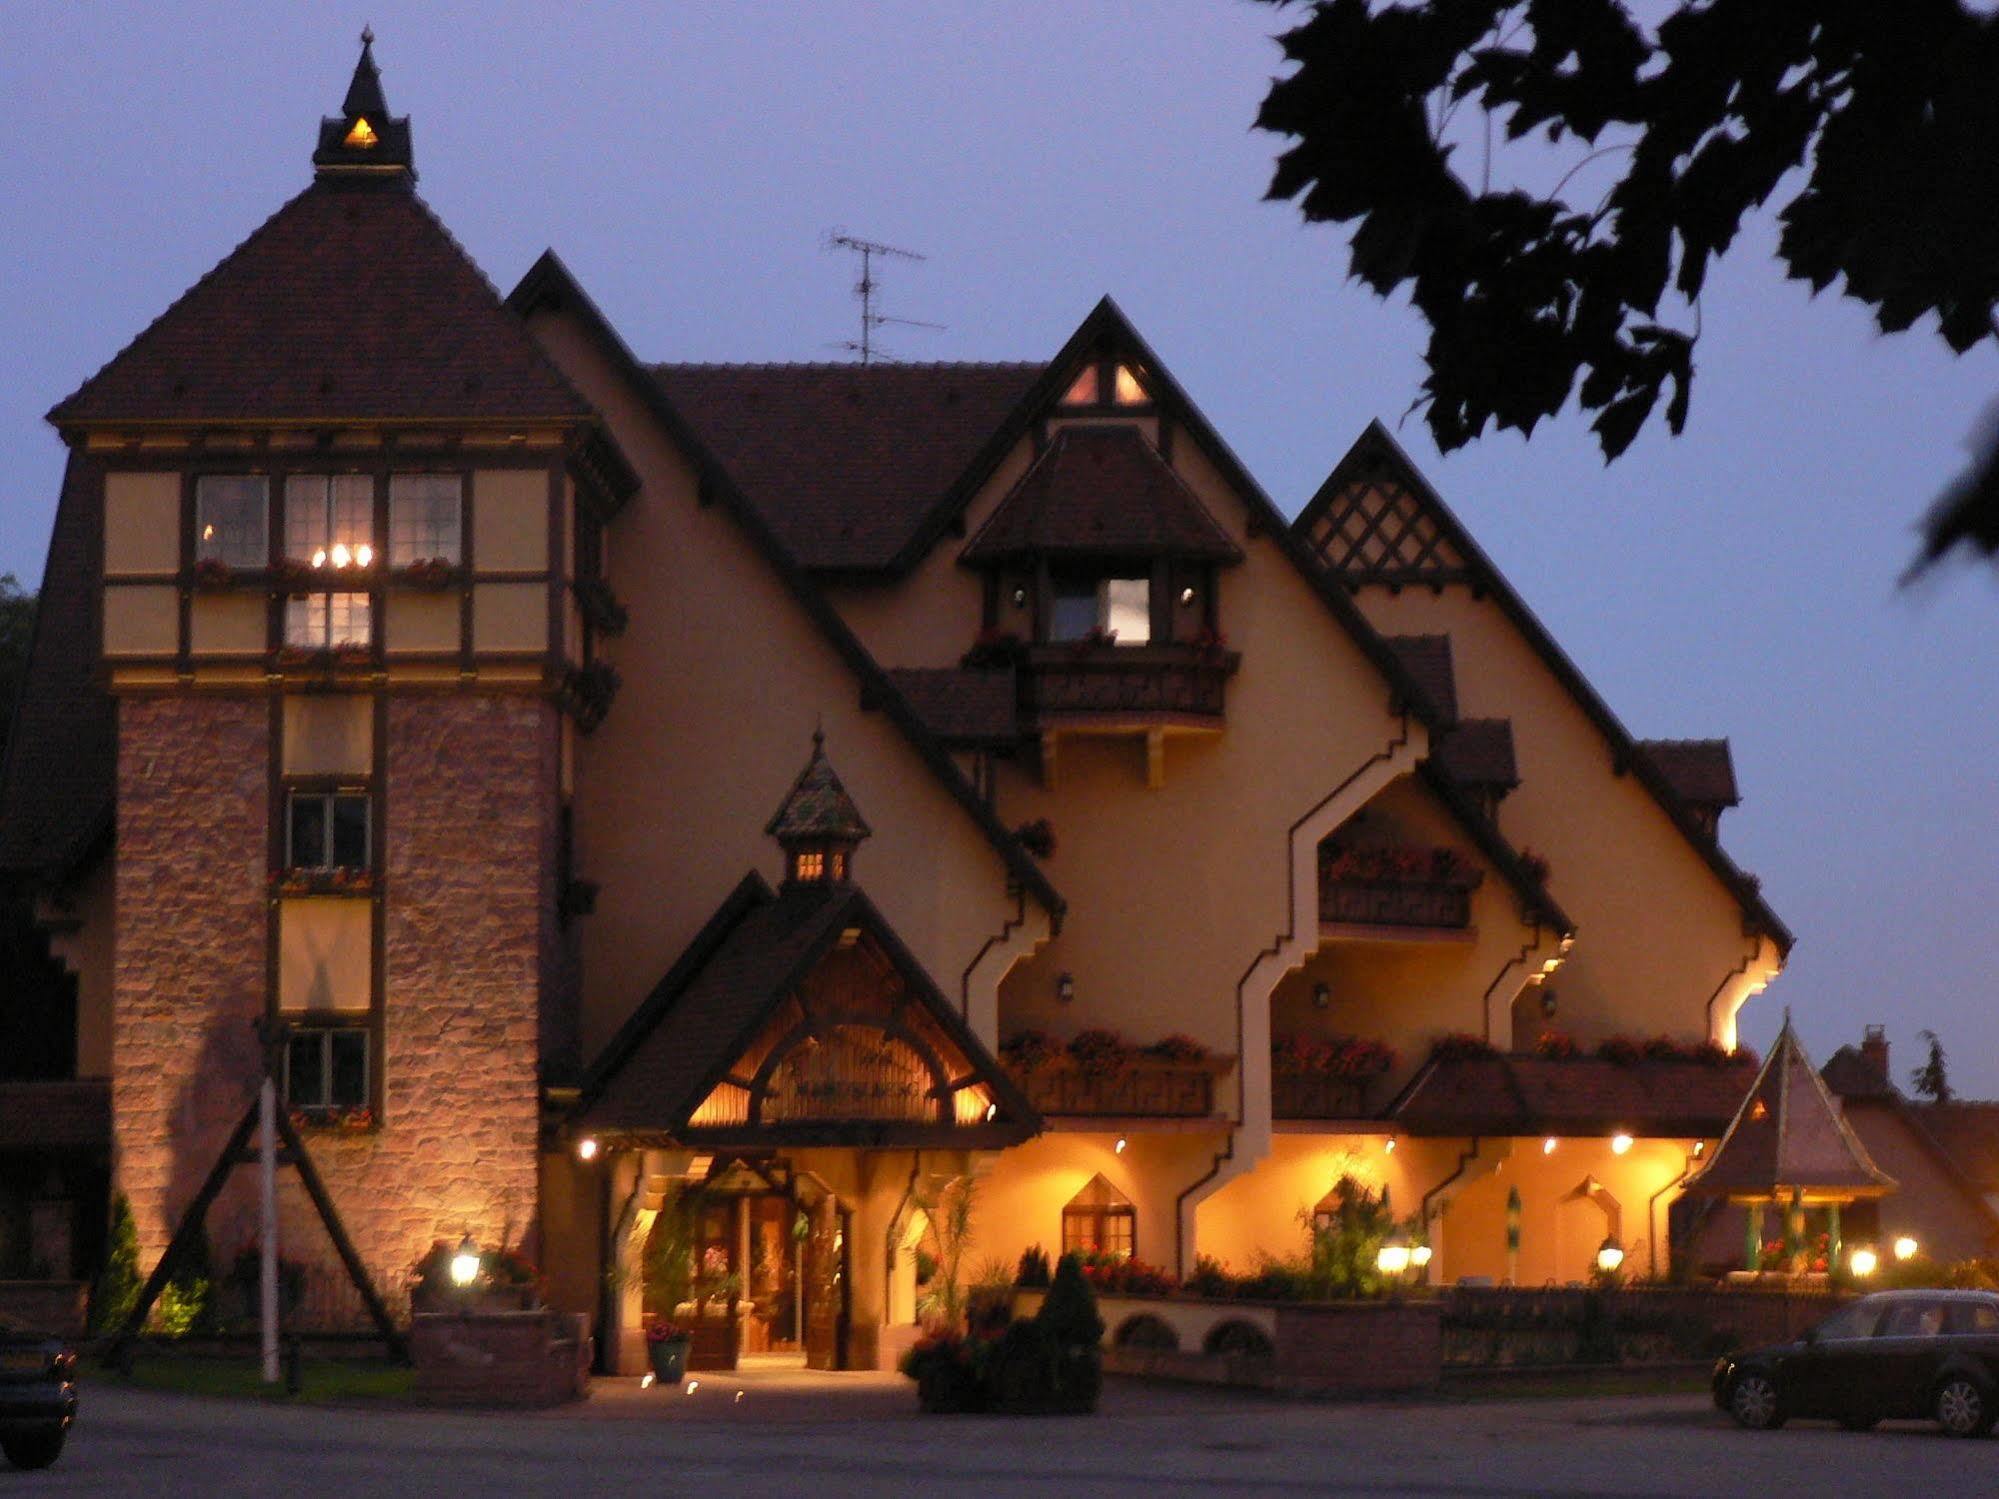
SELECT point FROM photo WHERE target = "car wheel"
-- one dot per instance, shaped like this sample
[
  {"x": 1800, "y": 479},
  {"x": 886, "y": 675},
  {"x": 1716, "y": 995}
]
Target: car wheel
[
  {"x": 1963, "y": 1409},
  {"x": 1754, "y": 1404},
  {"x": 33, "y": 1449}
]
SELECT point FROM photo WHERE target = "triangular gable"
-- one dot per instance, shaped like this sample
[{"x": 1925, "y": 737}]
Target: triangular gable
[
  {"x": 549, "y": 283},
  {"x": 1789, "y": 1136},
  {"x": 798, "y": 1019},
  {"x": 351, "y": 303},
  {"x": 1375, "y": 454}
]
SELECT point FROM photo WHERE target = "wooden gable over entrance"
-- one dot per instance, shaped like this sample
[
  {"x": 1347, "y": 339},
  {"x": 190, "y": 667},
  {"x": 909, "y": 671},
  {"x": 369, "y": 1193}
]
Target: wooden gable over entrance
[{"x": 798, "y": 1018}]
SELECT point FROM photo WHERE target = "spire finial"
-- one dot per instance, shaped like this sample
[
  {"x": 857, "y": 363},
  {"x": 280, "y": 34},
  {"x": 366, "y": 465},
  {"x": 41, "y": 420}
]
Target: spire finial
[
  {"x": 363, "y": 138},
  {"x": 367, "y": 37}
]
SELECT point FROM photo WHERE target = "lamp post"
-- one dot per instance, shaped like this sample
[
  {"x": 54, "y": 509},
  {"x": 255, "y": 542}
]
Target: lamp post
[
  {"x": 1609, "y": 1257},
  {"x": 1392, "y": 1258},
  {"x": 1863, "y": 1262}
]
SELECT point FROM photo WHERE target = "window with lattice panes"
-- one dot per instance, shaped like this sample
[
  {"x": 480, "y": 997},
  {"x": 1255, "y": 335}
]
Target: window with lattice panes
[
  {"x": 328, "y": 621},
  {"x": 426, "y": 519},
  {"x": 232, "y": 518},
  {"x": 326, "y": 1069},
  {"x": 1118, "y": 609},
  {"x": 327, "y": 829},
  {"x": 330, "y": 520},
  {"x": 1100, "y": 1220}
]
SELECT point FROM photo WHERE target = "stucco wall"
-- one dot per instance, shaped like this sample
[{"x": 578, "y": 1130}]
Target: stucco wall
[
  {"x": 725, "y": 678},
  {"x": 1927, "y": 1204},
  {"x": 1658, "y": 935}
]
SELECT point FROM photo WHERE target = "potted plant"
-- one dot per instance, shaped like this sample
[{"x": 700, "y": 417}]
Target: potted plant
[{"x": 666, "y": 1345}]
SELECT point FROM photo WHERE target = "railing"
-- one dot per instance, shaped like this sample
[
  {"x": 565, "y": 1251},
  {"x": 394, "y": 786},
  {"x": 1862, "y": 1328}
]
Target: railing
[
  {"x": 1146, "y": 1087},
  {"x": 1319, "y": 1095},
  {"x": 1135, "y": 681},
  {"x": 1405, "y": 903}
]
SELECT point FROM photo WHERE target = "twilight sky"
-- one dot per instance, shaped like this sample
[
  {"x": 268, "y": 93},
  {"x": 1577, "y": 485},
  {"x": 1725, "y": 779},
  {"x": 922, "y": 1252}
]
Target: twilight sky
[{"x": 687, "y": 160}]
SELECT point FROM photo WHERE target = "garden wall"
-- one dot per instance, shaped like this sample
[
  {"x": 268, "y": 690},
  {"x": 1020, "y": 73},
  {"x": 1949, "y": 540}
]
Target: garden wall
[
  {"x": 1509, "y": 1327},
  {"x": 44, "y": 1306},
  {"x": 501, "y": 1358}
]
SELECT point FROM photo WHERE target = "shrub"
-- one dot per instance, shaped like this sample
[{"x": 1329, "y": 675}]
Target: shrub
[
  {"x": 1462, "y": 1046},
  {"x": 1621, "y": 1050},
  {"x": 1025, "y": 1372},
  {"x": 1557, "y": 1046},
  {"x": 1662, "y": 1049},
  {"x": 118, "y": 1285},
  {"x": 1211, "y": 1279},
  {"x": 1069, "y": 1319},
  {"x": 946, "y": 1369}
]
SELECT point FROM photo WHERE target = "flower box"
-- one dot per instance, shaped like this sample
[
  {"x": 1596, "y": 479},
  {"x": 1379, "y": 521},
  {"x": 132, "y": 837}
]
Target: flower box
[
  {"x": 1141, "y": 1087},
  {"x": 434, "y": 574},
  {"x": 1404, "y": 904}
]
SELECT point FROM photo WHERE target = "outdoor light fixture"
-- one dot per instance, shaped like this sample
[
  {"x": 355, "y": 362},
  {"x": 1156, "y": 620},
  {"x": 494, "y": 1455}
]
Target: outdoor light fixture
[
  {"x": 586, "y": 1148},
  {"x": 1186, "y": 597},
  {"x": 1322, "y": 996},
  {"x": 1548, "y": 1003},
  {"x": 1019, "y": 598},
  {"x": 1393, "y": 1256},
  {"x": 1700, "y": 1149},
  {"x": 1906, "y": 1247},
  {"x": 1420, "y": 1256},
  {"x": 1389, "y": 1145},
  {"x": 1619, "y": 1144},
  {"x": 1548, "y": 1146},
  {"x": 992, "y": 1112},
  {"x": 1119, "y": 1147},
  {"x": 1864, "y": 1262},
  {"x": 465, "y": 1263},
  {"x": 1065, "y": 987}
]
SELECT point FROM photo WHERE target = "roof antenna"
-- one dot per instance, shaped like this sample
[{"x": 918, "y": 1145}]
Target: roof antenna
[{"x": 865, "y": 289}]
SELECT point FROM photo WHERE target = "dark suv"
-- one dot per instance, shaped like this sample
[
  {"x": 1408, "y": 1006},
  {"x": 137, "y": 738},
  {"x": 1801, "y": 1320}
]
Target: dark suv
[
  {"x": 37, "y": 1398},
  {"x": 1896, "y": 1354}
]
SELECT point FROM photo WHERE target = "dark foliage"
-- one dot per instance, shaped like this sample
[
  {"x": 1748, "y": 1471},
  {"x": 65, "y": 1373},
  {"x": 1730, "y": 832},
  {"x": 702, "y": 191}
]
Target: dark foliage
[
  {"x": 1931, "y": 1080},
  {"x": 1879, "y": 122}
]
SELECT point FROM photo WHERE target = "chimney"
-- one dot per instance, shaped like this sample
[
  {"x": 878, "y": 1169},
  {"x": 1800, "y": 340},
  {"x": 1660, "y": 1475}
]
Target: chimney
[{"x": 1874, "y": 1052}]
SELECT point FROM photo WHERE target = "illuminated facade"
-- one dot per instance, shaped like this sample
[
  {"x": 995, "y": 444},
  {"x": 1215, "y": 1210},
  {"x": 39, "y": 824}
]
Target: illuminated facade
[{"x": 1156, "y": 861}]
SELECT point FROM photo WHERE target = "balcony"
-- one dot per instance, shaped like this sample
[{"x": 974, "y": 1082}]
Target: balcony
[
  {"x": 1087, "y": 682},
  {"x": 1099, "y": 1076},
  {"x": 1326, "y": 1079},
  {"x": 1417, "y": 890}
]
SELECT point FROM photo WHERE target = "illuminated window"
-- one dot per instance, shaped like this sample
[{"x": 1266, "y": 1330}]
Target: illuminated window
[
  {"x": 327, "y": 830},
  {"x": 1120, "y": 608},
  {"x": 327, "y": 1069},
  {"x": 1083, "y": 392},
  {"x": 809, "y": 866},
  {"x": 1127, "y": 389},
  {"x": 362, "y": 135},
  {"x": 327, "y": 621},
  {"x": 232, "y": 516},
  {"x": 425, "y": 519},
  {"x": 330, "y": 520},
  {"x": 1100, "y": 1220}
]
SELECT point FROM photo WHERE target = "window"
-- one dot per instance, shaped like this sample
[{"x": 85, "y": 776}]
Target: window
[
  {"x": 1127, "y": 390},
  {"x": 330, "y": 520},
  {"x": 232, "y": 516},
  {"x": 1100, "y": 1220},
  {"x": 1912, "y": 1319},
  {"x": 328, "y": 621},
  {"x": 327, "y": 830},
  {"x": 1856, "y": 1321},
  {"x": 1974, "y": 1318},
  {"x": 1120, "y": 608},
  {"x": 425, "y": 519},
  {"x": 326, "y": 1070}
]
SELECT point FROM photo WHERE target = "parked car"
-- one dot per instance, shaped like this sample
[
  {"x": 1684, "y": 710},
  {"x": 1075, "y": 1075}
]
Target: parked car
[
  {"x": 1893, "y": 1355},
  {"x": 37, "y": 1398}
]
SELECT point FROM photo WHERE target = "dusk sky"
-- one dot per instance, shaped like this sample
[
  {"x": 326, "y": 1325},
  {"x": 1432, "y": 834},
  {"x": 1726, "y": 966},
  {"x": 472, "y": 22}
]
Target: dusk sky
[{"x": 687, "y": 161}]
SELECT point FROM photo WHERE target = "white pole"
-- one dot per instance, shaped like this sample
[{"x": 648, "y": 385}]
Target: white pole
[{"x": 267, "y": 1174}]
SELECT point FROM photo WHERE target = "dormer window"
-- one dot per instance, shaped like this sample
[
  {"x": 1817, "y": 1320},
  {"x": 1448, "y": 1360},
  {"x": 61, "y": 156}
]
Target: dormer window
[
  {"x": 1086, "y": 606},
  {"x": 362, "y": 136}
]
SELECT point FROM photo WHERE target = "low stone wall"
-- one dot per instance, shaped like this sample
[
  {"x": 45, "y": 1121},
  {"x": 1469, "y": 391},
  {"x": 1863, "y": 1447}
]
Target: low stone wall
[
  {"x": 50, "y": 1306},
  {"x": 501, "y": 1358},
  {"x": 1319, "y": 1348},
  {"x": 1511, "y": 1327}
]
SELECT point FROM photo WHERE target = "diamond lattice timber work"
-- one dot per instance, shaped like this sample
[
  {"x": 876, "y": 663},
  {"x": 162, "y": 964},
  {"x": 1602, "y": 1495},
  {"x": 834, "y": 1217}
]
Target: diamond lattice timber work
[{"x": 1377, "y": 530}]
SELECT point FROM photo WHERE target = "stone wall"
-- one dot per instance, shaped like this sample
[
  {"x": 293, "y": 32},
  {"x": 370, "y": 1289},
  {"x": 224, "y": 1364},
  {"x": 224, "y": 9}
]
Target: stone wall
[
  {"x": 468, "y": 841},
  {"x": 189, "y": 975}
]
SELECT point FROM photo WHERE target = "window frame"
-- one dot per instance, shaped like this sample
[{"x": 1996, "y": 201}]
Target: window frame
[
  {"x": 324, "y": 640},
  {"x": 1098, "y": 1217},
  {"x": 456, "y": 558},
  {"x": 198, "y": 520},
  {"x": 325, "y": 1035},
  {"x": 1064, "y": 583},
  {"x": 329, "y": 792}
]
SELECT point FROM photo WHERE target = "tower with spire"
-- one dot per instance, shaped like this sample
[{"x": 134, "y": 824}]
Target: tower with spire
[
  {"x": 818, "y": 827},
  {"x": 363, "y": 140}
]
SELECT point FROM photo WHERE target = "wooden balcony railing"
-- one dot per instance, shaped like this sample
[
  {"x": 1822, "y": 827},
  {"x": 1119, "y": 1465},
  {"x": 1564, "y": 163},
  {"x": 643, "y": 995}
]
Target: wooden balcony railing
[
  {"x": 1166, "y": 681},
  {"x": 1143, "y": 1088},
  {"x": 1434, "y": 904},
  {"x": 1319, "y": 1095}
]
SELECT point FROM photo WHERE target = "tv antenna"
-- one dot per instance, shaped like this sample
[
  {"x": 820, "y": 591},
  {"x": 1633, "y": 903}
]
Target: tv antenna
[{"x": 866, "y": 289}]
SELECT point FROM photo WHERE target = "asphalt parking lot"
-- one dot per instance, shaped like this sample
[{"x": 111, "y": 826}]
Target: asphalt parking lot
[{"x": 860, "y": 1434}]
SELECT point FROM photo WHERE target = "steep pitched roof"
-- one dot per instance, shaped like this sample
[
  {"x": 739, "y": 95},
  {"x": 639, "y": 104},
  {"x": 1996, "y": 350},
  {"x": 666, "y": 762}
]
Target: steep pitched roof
[
  {"x": 57, "y": 783},
  {"x": 1512, "y": 1095},
  {"x": 1427, "y": 658},
  {"x": 351, "y": 303},
  {"x": 548, "y": 282},
  {"x": 844, "y": 461},
  {"x": 1967, "y": 1131},
  {"x": 818, "y": 806},
  {"x": 1789, "y": 1135},
  {"x": 1700, "y": 770},
  {"x": 1478, "y": 752},
  {"x": 1448, "y": 554},
  {"x": 728, "y": 985},
  {"x": 1097, "y": 492}
]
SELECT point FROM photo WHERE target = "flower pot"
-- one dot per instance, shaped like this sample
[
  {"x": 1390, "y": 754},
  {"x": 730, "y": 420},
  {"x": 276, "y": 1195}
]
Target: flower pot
[{"x": 669, "y": 1359}]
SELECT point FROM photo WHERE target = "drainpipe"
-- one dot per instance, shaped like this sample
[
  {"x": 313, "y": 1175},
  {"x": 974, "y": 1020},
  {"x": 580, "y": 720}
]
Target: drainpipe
[{"x": 1652, "y": 1214}]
